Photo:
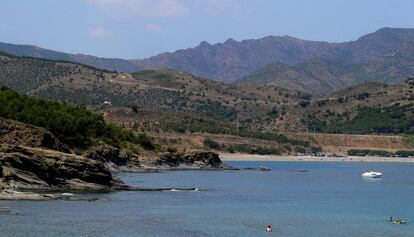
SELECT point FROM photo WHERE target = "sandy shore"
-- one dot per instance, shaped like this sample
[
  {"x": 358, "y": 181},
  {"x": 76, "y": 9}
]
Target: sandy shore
[{"x": 250, "y": 157}]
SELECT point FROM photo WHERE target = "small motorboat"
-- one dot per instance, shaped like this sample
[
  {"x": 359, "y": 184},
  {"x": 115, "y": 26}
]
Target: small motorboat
[{"x": 371, "y": 174}]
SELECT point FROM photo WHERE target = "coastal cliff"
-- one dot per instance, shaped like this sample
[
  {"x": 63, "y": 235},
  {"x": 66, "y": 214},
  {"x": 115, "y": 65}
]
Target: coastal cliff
[{"x": 25, "y": 168}]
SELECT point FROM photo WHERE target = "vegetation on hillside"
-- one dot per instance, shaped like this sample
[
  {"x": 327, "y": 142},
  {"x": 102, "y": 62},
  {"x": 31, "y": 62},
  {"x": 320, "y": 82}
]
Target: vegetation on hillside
[
  {"x": 215, "y": 127},
  {"x": 370, "y": 108},
  {"x": 367, "y": 152},
  {"x": 73, "y": 125},
  {"x": 395, "y": 119},
  {"x": 289, "y": 146}
]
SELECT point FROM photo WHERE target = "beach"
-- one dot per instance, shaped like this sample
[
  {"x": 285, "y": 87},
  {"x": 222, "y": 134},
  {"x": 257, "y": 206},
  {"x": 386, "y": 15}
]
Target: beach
[{"x": 255, "y": 157}]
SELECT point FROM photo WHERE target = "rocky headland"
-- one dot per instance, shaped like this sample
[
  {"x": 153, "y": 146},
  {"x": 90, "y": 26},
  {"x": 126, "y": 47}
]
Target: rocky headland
[{"x": 34, "y": 164}]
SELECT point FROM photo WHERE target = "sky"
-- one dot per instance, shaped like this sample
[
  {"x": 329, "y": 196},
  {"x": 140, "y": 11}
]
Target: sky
[{"x": 135, "y": 29}]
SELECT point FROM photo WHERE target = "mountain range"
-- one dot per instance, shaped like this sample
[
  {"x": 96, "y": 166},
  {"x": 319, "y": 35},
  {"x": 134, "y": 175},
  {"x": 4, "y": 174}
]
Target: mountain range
[{"x": 310, "y": 66}]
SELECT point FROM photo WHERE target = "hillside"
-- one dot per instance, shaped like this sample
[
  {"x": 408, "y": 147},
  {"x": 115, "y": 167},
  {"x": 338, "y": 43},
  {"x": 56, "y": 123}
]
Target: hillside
[
  {"x": 322, "y": 76},
  {"x": 175, "y": 96},
  {"x": 240, "y": 117},
  {"x": 180, "y": 100},
  {"x": 155, "y": 100},
  {"x": 370, "y": 108},
  {"x": 151, "y": 89},
  {"x": 175, "y": 101},
  {"x": 316, "y": 76}
]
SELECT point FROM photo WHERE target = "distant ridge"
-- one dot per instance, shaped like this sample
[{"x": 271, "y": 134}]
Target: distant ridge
[
  {"x": 112, "y": 64},
  {"x": 324, "y": 76},
  {"x": 233, "y": 59},
  {"x": 329, "y": 66}
]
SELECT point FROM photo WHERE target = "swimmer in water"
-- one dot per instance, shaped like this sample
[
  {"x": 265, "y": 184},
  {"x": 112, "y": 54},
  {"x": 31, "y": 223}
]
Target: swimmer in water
[{"x": 268, "y": 228}]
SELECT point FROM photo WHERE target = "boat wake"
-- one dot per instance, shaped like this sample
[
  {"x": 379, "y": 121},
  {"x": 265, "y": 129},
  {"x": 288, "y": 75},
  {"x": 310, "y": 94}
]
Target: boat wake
[{"x": 183, "y": 190}]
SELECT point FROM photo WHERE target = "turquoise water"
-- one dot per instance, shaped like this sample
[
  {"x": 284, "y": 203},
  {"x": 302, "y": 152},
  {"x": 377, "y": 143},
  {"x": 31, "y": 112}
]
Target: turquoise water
[{"x": 329, "y": 200}]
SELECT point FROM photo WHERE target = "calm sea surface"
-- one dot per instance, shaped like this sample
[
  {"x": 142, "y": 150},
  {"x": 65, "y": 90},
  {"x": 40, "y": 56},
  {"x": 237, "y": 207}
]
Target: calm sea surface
[{"x": 330, "y": 200}]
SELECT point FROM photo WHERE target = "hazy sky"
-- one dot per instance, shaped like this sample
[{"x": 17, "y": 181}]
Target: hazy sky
[{"x": 142, "y": 28}]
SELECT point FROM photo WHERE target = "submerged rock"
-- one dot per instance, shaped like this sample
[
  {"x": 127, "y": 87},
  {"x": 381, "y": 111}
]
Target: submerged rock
[
  {"x": 264, "y": 168},
  {"x": 299, "y": 170},
  {"x": 41, "y": 169},
  {"x": 9, "y": 194},
  {"x": 4, "y": 211}
]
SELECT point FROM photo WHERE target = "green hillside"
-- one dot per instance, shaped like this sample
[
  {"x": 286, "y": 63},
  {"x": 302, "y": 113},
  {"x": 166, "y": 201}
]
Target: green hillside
[
  {"x": 73, "y": 125},
  {"x": 371, "y": 108}
]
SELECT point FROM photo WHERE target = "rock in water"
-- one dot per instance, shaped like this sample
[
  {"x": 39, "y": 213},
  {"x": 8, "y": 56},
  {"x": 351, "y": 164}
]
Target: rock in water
[
  {"x": 9, "y": 194},
  {"x": 192, "y": 160},
  {"x": 264, "y": 168},
  {"x": 41, "y": 169}
]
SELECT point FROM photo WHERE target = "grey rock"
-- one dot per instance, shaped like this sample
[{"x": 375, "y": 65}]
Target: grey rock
[
  {"x": 41, "y": 169},
  {"x": 191, "y": 160}
]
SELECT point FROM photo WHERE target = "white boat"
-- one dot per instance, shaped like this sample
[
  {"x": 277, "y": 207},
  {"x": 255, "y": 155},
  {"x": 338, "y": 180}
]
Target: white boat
[{"x": 371, "y": 174}]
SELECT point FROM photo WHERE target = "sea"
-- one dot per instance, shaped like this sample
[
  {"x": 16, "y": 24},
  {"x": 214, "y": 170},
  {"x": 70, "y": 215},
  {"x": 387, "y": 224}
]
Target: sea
[{"x": 309, "y": 199}]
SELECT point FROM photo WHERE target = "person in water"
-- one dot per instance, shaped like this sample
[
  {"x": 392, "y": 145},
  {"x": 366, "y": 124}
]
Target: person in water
[
  {"x": 391, "y": 219},
  {"x": 268, "y": 228}
]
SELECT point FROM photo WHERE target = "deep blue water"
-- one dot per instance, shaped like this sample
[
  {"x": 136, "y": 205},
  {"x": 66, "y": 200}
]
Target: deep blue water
[{"x": 330, "y": 200}]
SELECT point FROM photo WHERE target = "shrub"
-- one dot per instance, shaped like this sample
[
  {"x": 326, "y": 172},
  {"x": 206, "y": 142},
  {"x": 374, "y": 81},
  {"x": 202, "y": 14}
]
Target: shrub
[
  {"x": 304, "y": 104},
  {"x": 265, "y": 151},
  {"x": 210, "y": 143},
  {"x": 300, "y": 149},
  {"x": 363, "y": 96},
  {"x": 366, "y": 152},
  {"x": 171, "y": 149},
  {"x": 245, "y": 148},
  {"x": 404, "y": 153},
  {"x": 230, "y": 149}
]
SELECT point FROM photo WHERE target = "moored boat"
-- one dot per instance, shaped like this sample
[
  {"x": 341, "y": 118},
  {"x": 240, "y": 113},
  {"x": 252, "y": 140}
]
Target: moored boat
[{"x": 371, "y": 174}]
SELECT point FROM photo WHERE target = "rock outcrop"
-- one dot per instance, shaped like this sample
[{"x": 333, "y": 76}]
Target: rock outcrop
[
  {"x": 16, "y": 133},
  {"x": 191, "y": 160},
  {"x": 117, "y": 160},
  {"x": 41, "y": 169},
  {"x": 113, "y": 158}
]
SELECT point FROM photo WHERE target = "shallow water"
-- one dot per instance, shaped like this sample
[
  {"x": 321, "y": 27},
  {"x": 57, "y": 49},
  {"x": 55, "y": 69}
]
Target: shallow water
[{"x": 329, "y": 200}]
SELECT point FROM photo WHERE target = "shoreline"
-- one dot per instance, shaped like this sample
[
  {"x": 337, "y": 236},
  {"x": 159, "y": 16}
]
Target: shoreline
[{"x": 254, "y": 157}]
